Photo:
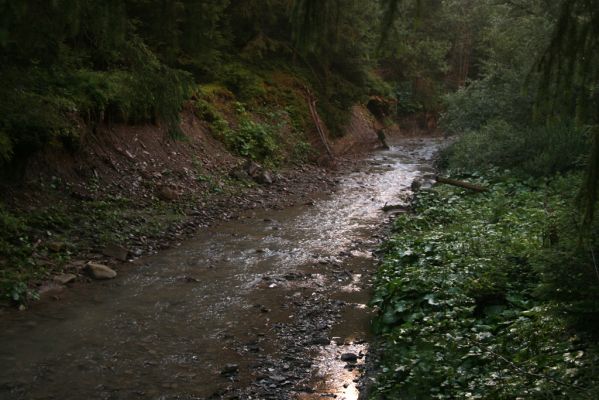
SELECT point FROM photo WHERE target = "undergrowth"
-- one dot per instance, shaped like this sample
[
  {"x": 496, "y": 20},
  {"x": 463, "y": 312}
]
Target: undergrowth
[
  {"x": 527, "y": 151},
  {"x": 489, "y": 296}
]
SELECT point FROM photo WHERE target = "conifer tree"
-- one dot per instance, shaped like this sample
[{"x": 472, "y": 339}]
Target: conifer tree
[{"x": 570, "y": 81}]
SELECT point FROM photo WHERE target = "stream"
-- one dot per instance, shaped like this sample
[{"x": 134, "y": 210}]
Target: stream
[{"x": 269, "y": 306}]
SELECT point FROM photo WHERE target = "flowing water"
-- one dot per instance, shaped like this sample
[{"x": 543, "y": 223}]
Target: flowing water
[{"x": 279, "y": 294}]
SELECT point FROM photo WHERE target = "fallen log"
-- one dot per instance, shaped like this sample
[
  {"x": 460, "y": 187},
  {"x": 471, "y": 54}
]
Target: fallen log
[
  {"x": 462, "y": 184},
  {"x": 318, "y": 122}
]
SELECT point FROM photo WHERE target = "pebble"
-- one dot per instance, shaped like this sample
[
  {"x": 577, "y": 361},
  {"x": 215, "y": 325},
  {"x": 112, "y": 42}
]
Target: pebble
[
  {"x": 64, "y": 279},
  {"x": 321, "y": 341},
  {"x": 230, "y": 369},
  {"x": 349, "y": 357}
]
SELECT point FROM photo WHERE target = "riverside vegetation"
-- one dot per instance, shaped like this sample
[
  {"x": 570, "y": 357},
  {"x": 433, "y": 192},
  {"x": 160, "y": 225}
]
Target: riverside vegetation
[{"x": 495, "y": 295}]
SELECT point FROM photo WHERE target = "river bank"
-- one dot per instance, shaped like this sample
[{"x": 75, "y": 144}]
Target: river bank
[
  {"x": 133, "y": 190},
  {"x": 268, "y": 305}
]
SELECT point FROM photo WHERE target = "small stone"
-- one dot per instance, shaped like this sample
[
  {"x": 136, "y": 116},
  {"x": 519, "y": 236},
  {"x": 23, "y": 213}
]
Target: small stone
[
  {"x": 137, "y": 252},
  {"x": 349, "y": 357},
  {"x": 64, "y": 279},
  {"x": 265, "y": 178},
  {"x": 321, "y": 341},
  {"x": 416, "y": 184},
  {"x": 277, "y": 378},
  {"x": 100, "y": 271},
  {"x": 252, "y": 168},
  {"x": 117, "y": 252},
  {"x": 254, "y": 348},
  {"x": 167, "y": 193},
  {"x": 230, "y": 369}
]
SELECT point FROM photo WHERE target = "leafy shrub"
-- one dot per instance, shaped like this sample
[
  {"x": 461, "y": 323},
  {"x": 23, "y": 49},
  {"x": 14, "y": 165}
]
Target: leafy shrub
[
  {"x": 249, "y": 138},
  {"x": 254, "y": 140},
  {"x": 14, "y": 252},
  {"x": 497, "y": 96},
  {"x": 457, "y": 292},
  {"x": 242, "y": 81},
  {"x": 40, "y": 106},
  {"x": 406, "y": 104},
  {"x": 336, "y": 101},
  {"x": 537, "y": 151}
]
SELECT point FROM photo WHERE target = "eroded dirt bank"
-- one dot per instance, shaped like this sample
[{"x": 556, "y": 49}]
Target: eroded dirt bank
[
  {"x": 268, "y": 305},
  {"x": 133, "y": 190}
]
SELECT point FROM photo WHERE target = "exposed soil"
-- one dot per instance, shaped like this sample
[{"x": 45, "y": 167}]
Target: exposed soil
[{"x": 163, "y": 190}]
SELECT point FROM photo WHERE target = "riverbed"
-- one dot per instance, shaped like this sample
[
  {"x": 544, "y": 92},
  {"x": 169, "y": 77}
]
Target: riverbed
[{"x": 272, "y": 305}]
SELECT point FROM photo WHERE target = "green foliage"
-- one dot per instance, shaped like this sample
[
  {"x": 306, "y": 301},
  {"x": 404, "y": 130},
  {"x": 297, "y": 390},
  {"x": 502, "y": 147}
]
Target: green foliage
[
  {"x": 569, "y": 84},
  {"x": 71, "y": 64},
  {"x": 249, "y": 137},
  {"x": 536, "y": 151},
  {"x": 458, "y": 314},
  {"x": 15, "y": 248},
  {"x": 406, "y": 104},
  {"x": 254, "y": 140},
  {"x": 242, "y": 81},
  {"x": 497, "y": 96}
]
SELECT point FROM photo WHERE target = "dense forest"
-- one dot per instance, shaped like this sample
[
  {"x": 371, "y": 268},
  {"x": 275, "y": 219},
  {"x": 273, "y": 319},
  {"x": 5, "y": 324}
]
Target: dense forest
[{"x": 480, "y": 295}]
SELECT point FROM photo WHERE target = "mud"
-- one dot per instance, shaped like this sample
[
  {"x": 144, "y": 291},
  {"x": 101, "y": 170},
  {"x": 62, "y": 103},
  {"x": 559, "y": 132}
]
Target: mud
[{"x": 270, "y": 305}]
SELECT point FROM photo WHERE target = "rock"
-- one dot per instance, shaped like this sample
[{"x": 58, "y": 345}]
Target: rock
[
  {"x": 254, "y": 348},
  {"x": 117, "y": 252},
  {"x": 99, "y": 271},
  {"x": 277, "y": 378},
  {"x": 265, "y": 178},
  {"x": 252, "y": 168},
  {"x": 416, "y": 184},
  {"x": 137, "y": 252},
  {"x": 321, "y": 341},
  {"x": 64, "y": 279},
  {"x": 167, "y": 193},
  {"x": 230, "y": 369},
  {"x": 349, "y": 357}
]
